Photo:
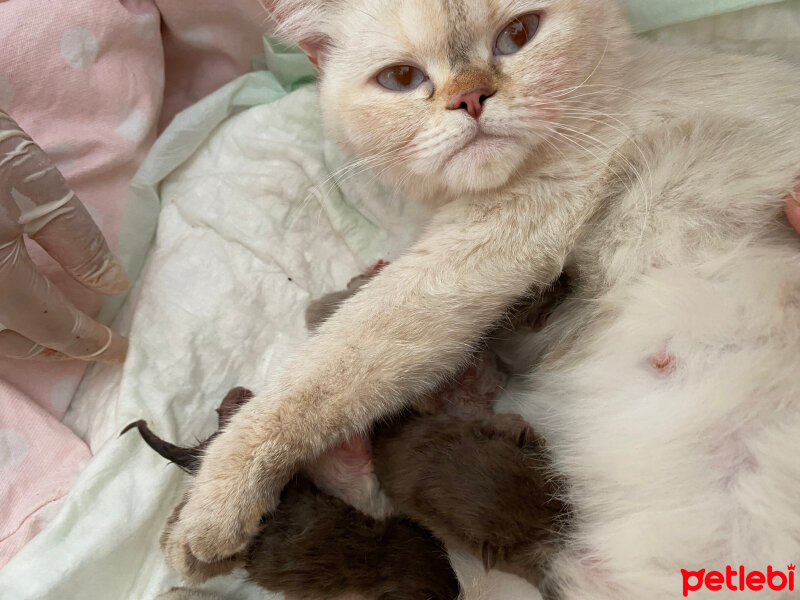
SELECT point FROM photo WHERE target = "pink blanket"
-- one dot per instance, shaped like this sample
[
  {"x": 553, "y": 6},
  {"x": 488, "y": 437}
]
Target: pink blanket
[{"x": 92, "y": 81}]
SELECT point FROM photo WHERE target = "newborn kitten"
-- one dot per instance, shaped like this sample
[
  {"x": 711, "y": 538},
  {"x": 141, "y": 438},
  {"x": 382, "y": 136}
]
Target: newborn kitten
[
  {"x": 463, "y": 479},
  {"x": 316, "y": 547},
  {"x": 347, "y": 473},
  {"x": 459, "y": 476},
  {"x": 552, "y": 140},
  {"x": 457, "y": 468}
]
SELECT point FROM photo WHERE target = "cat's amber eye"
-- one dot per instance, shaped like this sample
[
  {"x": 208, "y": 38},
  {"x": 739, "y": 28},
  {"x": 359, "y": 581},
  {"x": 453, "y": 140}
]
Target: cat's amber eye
[
  {"x": 516, "y": 34},
  {"x": 401, "y": 78}
]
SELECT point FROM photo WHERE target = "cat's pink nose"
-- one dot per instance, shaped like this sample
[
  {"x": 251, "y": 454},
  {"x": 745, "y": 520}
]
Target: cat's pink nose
[{"x": 471, "y": 101}]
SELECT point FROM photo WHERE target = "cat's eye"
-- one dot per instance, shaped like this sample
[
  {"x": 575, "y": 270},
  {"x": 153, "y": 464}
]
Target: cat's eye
[
  {"x": 517, "y": 34},
  {"x": 401, "y": 78}
]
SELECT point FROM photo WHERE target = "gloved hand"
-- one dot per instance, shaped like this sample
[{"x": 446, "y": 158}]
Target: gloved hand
[{"x": 36, "y": 319}]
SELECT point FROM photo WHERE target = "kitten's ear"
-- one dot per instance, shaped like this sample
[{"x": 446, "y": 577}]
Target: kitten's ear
[{"x": 305, "y": 23}]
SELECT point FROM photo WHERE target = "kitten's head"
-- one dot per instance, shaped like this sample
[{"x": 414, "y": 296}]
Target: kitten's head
[{"x": 456, "y": 95}]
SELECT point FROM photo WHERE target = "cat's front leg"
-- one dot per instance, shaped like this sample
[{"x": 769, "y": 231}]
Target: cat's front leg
[{"x": 413, "y": 325}]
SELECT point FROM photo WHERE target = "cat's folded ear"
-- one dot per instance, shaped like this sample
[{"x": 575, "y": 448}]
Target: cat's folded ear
[{"x": 305, "y": 23}]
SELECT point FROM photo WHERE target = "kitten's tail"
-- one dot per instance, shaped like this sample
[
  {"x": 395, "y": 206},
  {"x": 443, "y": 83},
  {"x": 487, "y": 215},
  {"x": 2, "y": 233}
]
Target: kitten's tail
[{"x": 187, "y": 459}]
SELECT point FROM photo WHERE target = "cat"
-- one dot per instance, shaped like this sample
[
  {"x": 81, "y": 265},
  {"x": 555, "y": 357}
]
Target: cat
[{"x": 550, "y": 139}]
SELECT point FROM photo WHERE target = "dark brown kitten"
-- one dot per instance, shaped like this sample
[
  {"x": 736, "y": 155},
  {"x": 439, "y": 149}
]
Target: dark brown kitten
[
  {"x": 478, "y": 480},
  {"x": 316, "y": 547},
  {"x": 482, "y": 485}
]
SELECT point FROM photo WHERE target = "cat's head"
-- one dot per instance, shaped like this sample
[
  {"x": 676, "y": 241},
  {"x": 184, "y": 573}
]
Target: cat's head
[{"x": 456, "y": 95}]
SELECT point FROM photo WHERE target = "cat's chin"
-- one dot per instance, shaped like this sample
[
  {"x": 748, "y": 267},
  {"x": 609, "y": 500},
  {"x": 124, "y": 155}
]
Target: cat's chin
[{"x": 483, "y": 165}]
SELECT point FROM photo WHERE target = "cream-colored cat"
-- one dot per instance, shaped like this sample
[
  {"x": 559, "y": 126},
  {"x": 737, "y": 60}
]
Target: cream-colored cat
[{"x": 668, "y": 385}]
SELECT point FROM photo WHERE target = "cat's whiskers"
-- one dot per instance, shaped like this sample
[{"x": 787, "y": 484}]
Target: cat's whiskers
[
  {"x": 386, "y": 162},
  {"x": 432, "y": 141},
  {"x": 628, "y": 137},
  {"x": 351, "y": 167},
  {"x": 335, "y": 178},
  {"x": 603, "y": 146},
  {"x": 597, "y": 88},
  {"x": 599, "y": 117},
  {"x": 547, "y": 140},
  {"x": 609, "y": 96},
  {"x": 647, "y": 191},
  {"x": 392, "y": 165},
  {"x": 606, "y": 91},
  {"x": 590, "y": 107},
  {"x": 590, "y": 75},
  {"x": 570, "y": 139},
  {"x": 596, "y": 117},
  {"x": 363, "y": 168}
]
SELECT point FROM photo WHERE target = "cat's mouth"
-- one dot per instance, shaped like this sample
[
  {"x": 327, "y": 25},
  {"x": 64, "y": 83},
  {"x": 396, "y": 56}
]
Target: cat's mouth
[{"x": 482, "y": 141}]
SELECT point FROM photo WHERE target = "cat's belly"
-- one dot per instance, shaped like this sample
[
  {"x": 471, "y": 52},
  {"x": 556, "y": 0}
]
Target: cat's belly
[{"x": 677, "y": 425}]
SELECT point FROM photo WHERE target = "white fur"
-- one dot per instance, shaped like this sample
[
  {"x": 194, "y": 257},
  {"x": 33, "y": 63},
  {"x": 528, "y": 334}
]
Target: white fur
[{"x": 693, "y": 468}]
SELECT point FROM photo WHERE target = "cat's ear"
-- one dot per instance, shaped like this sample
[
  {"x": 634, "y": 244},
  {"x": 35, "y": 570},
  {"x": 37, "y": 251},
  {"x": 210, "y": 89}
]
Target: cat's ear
[
  {"x": 314, "y": 51},
  {"x": 305, "y": 23}
]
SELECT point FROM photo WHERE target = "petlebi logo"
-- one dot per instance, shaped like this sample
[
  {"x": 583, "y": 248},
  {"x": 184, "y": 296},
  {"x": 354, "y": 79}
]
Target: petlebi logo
[{"x": 738, "y": 580}]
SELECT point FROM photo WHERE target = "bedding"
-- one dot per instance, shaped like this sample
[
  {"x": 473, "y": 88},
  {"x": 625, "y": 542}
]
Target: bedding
[
  {"x": 87, "y": 81},
  {"x": 257, "y": 213}
]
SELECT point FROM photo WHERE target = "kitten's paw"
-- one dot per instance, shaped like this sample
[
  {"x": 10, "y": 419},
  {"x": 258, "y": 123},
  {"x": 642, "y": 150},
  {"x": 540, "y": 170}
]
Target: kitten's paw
[{"x": 513, "y": 427}]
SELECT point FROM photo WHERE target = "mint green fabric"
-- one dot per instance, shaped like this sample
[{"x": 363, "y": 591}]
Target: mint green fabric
[{"x": 646, "y": 15}]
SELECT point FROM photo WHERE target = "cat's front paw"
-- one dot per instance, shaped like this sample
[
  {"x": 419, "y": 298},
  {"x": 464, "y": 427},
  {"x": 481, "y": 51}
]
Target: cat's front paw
[
  {"x": 220, "y": 518},
  {"x": 180, "y": 558}
]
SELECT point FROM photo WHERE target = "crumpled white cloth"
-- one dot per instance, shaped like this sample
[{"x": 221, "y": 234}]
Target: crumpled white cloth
[{"x": 252, "y": 227}]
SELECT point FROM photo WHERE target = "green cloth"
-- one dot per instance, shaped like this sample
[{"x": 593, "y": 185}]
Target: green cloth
[{"x": 651, "y": 14}]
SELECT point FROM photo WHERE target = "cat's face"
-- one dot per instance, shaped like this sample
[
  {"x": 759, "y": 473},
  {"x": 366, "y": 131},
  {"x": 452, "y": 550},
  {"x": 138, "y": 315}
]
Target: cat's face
[{"x": 456, "y": 95}]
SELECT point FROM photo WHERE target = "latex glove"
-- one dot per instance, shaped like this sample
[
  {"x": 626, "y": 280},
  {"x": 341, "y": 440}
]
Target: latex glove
[{"x": 36, "y": 319}]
